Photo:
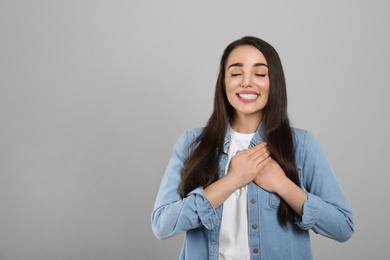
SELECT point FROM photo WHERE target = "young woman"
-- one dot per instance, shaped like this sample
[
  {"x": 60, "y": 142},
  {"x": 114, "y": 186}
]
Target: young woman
[{"x": 247, "y": 185}]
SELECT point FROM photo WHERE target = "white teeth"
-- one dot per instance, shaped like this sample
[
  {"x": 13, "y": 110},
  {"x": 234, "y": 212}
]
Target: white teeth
[{"x": 248, "y": 96}]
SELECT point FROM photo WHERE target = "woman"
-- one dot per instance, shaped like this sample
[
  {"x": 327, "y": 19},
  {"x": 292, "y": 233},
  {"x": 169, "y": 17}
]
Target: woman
[{"x": 247, "y": 185}]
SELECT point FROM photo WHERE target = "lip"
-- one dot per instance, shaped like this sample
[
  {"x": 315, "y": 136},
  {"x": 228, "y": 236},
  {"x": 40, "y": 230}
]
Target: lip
[{"x": 247, "y": 92}]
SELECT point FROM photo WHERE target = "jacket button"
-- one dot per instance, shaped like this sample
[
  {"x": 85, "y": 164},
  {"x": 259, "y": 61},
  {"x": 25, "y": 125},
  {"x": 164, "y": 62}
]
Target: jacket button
[
  {"x": 255, "y": 250},
  {"x": 253, "y": 201},
  {"x": 254, "y": 226}
]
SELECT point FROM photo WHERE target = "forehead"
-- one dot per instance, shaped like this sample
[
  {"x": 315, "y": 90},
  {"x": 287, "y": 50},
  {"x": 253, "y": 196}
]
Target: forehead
[{"x": 247, "y": 55}]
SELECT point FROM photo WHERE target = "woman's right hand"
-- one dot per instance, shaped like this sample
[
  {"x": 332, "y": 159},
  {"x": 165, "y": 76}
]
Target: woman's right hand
[{"x": 246, "y": 164}]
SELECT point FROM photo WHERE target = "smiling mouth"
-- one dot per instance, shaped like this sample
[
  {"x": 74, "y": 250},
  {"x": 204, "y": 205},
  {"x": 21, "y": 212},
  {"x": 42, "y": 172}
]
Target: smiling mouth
[{"x": 247, "y": 96}]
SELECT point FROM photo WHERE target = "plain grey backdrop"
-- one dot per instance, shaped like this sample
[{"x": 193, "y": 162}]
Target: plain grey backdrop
[{"x": 94, "y": 94}]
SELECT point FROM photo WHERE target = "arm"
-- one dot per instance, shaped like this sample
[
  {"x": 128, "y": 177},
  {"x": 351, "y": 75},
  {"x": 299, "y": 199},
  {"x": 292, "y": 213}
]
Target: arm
[
  {"x": 273, "y": 179},
  {"x": 293, "y": 195},
  {"x": 326, "y": 211},
  {"x": 321, "y": 205},
  {"x": 172, "y": 214}
]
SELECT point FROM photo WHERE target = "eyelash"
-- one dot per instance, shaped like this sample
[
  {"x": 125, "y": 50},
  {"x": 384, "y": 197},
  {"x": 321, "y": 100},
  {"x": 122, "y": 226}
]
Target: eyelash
[{"x": 260, "y": 75}]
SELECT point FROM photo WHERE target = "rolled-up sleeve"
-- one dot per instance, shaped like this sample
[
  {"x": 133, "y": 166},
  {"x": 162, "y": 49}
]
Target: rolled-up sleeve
[
  {"x": 173, "y": 214},
  {"x": 326, "y": 211},
  {"x": 205, "y": 210}
]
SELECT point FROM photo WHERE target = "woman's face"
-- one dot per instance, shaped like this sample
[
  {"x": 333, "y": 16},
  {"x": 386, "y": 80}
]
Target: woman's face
[{"x": 247, "y": 81}]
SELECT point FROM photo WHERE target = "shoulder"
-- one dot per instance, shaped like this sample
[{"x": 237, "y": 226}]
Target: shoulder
[
  {"x": 305, "y": 143},
  {"x": 302, "y": 137},
  {"x": 187, "y": 138},
  {"x": 194, "y": 133},
  {"x": 299, "y": 135}
]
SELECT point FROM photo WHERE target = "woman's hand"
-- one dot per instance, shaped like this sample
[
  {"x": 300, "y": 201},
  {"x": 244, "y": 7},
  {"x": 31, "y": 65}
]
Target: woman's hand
[
  {"x": 244, "y": 167},
  {"x": 247, "y": 164},
  {"x": 271, "y": 177}
]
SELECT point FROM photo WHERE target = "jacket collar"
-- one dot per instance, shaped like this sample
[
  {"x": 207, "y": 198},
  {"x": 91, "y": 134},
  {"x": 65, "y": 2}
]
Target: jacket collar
[{"x": 258, "y": 138}]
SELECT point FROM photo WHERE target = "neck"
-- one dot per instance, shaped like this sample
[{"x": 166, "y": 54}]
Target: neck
[{"x": 246, "y": 124}]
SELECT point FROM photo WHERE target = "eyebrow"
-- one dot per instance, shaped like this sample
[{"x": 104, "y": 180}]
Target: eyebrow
[{"x": 254, "y": 65}]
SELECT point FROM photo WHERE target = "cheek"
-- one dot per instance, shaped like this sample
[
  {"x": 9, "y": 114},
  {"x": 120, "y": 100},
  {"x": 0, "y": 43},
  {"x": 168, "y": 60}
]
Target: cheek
[
  {"x": 264, "y": 88},
  {"x": 229, "y": 86}
]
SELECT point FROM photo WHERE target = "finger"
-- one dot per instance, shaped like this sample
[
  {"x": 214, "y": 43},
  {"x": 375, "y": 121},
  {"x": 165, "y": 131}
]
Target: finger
[
  {"x": 259, "y": 152},
  {"x": 261, "y": 157},
  {"x": 240, "y": 151},
  {"x": 257, "y": 147},
  {"x": 264, "y": 163}
]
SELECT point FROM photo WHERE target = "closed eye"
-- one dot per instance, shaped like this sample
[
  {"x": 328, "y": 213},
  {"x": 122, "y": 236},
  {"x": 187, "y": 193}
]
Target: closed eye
[
  {"x": 261, "y": 75},
  {"x": 234, "y": 75}
]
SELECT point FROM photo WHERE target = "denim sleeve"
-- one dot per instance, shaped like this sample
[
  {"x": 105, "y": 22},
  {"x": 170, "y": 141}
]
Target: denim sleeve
[
  {"x": 326, "y": 211},
  {"x": 173, "y": 214}
]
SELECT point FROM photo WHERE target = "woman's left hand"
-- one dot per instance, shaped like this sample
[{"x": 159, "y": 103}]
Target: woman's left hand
[{"x": 271, "y": 177}]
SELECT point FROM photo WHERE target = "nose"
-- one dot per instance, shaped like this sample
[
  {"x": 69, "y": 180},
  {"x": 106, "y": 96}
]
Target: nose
[{"x": 247, "y": 81}]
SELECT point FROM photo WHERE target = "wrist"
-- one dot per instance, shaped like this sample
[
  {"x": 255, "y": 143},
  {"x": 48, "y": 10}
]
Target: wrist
[
  {"x": 231, "y": 182},
  {"x": 283, "y": 186}
]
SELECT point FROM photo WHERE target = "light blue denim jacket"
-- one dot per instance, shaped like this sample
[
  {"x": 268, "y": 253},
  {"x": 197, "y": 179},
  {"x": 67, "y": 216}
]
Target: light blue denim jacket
[{"x": 326, "y": 211}]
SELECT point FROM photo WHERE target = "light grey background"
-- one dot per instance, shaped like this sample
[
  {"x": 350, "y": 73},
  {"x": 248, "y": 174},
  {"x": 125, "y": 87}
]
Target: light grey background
[{"x": 94, "y": 94}]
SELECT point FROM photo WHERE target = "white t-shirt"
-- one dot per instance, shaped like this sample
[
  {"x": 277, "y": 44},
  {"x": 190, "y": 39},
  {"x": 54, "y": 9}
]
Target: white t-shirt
[{"x": 233, "y": 236}]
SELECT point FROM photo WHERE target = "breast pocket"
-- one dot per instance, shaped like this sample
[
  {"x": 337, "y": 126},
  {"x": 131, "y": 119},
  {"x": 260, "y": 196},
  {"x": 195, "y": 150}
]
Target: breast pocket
[{"x": 274, "y": 200}]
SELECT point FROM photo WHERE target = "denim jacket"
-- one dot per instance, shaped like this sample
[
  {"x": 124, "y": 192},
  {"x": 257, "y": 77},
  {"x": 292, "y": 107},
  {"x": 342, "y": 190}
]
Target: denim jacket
[{"x": 326, "y": 211}]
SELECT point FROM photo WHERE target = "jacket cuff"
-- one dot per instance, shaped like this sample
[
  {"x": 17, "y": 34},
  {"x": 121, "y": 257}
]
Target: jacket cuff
[
  {"x": 311, "y": 212},
  {"x": 208, "y": 216}
]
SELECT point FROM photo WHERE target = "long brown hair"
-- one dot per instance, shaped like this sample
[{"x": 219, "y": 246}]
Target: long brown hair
[{"x": 201, "y": 168}]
